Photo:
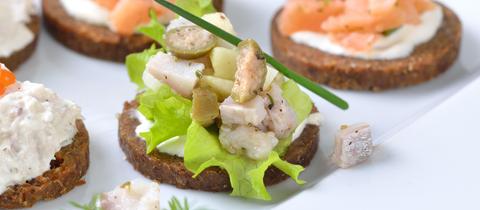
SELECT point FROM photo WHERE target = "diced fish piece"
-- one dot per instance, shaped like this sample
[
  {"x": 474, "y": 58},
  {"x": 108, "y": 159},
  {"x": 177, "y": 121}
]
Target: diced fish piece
[
  {"x": 132, "y": 195},
  {"x": 353, "y": 145},
  {"x": 180, "y": 75},
  {"x": 252, "y": 112},
  {"x": 255, "y": 143},
  {"x": 281, "y": 119}
]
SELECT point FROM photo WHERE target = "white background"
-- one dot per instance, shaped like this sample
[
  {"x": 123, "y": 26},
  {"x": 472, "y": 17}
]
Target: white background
[{"x": 427, "y": 158}]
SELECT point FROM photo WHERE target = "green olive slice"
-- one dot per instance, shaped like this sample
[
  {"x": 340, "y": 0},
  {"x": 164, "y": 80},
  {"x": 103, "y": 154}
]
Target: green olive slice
[
  {"x": 189, "y": 42},
  {"x": 251, "y": 71}
]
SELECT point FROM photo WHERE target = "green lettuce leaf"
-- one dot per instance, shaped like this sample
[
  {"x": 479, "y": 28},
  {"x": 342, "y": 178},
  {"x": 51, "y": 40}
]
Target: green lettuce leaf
[
  {"x": 297, "y": 99},
  {"x": 154, "y": 29},
  {"x": 203, "y": 150},
  {"x": 197, "y": 7},
  {"x": 136, "y": 63},
  {"x": 300, "y": 103},
  {"x": 170, "y": 113}
]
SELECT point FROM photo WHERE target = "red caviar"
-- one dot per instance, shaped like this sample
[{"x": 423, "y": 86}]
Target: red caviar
[{"x": 7, "y": 78}]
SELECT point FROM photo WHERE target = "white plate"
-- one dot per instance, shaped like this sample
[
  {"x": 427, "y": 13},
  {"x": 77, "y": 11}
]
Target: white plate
[{"x": 100, "y": 88}]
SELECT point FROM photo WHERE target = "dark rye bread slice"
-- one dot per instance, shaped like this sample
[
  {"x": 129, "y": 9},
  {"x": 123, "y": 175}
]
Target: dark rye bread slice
[
  {"x": 68, "y": 168},
  {"x": 426, "y": 62},
  {"x": 91, "y": 40},
  {"x": 18, "y": 57},
  {"x": 169, "y": 169}
]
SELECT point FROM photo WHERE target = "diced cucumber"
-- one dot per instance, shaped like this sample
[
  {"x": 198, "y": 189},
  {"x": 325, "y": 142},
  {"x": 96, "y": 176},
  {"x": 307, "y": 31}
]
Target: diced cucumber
[
  {"x": 222, "y": 87},
  {"x": 224, "y": 62}
]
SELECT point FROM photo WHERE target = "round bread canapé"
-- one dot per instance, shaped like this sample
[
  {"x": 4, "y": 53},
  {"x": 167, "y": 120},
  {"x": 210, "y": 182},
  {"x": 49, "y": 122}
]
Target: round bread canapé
[
  {"x": 66, "y": 172},
  {"x": 170, "y": 169},
  {"x": 91, "y": 40},
  {"x": 19, "y": 57},
  {"x": 426, "y": 62}
]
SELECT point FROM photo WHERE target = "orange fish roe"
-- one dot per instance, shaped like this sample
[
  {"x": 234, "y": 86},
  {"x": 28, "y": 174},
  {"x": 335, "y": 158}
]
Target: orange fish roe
[
  {"x": 354, "y": 24},
  {"x": 127, "y": 15},
  {"x": 7, "y": 78}
]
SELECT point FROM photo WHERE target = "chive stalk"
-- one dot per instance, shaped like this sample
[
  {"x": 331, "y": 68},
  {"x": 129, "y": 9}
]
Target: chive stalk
[{"x": 303, "y": 81}]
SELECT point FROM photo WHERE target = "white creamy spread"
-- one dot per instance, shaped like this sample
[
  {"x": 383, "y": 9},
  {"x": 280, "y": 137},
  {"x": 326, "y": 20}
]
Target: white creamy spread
[
  {"x": 35, "y": 123},
  {"x": 91, "y": 12},
  {"x": 135, "y": 194},
  {"x": 173, "y": 146},
  {"x": 88, "y": 11},
  {"x": 312, "y": 119},
  {"x": 14, "y": 33},
  {"x": 399, "y": 44}
]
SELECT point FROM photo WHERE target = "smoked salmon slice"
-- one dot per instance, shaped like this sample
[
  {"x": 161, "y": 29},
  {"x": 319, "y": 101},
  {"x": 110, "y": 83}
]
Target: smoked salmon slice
[
  {"x": 354, "y": 24},
  {"x": 127, "y": 15}
]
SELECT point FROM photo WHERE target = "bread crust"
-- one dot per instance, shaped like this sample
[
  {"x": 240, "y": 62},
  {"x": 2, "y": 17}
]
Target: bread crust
[
  {"x": 170, "y": 169},
  {"x": 91, "y": 40},
  {"x": 68, "y": 168},
  {"x": 426, "y": 62},
  {"x": 19, "y": 57}
]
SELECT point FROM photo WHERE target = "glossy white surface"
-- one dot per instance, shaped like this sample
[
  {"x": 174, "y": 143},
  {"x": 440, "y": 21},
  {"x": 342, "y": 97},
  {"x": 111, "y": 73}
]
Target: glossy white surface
[{"x": 101, "y": 87}]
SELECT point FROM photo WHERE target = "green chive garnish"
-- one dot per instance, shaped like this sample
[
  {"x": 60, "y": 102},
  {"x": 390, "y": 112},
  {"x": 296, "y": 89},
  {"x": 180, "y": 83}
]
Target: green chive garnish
[{"x": 308, "y": 84}]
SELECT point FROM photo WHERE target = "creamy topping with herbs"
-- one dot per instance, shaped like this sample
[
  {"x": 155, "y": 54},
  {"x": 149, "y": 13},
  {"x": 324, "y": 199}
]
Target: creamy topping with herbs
[
  {"x": 35, "y": 123},
  {"x": 14, "y": 33}
]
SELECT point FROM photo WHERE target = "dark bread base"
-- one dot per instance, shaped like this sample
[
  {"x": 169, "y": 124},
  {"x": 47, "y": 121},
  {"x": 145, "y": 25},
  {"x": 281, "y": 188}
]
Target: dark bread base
[
  {"x": 91, "y": 40},
  {"x": 68, "y": 168},
  {"x": 19, "y": 57},
  {"x": 169, "y": 169},
  {"x": 426, "y": 62}
]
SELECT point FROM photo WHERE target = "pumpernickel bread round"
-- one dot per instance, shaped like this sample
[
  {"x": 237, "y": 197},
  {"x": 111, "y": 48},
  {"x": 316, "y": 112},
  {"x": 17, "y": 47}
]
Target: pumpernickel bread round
[
  {"x": 66, "y": 172},
  {"x": 19, "y": 57},
  {"x": 426, "y": 62},
  {"x": 92, "y": 40},
  {"x": 170, "y": 169}
]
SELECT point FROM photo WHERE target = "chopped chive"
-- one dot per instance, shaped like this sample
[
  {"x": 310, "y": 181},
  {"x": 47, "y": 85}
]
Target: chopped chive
[{"x": 308, "y": 84}]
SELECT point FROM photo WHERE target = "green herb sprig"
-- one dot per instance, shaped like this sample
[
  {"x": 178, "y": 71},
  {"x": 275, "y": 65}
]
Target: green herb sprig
[
  {"x": 92, "y": 205},
  {"x": 308, "y": 84},
  {"x": 173, "y": 204}
]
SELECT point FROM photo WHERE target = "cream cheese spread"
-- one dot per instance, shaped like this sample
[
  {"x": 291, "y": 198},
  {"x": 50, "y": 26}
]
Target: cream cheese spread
[
  {"x": 173, "y": 146},
  {"x": 14, "y": 33},
  {"x": 312, "y": 119},
  {"x": 35, "y": 124},
  {"x": 399, "y": 44},
  {"x": 88, "y": 11}
]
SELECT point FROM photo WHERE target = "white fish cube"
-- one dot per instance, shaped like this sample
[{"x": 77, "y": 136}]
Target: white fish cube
[
  {"x": 180, "y": 75},
  {"x": 353, "y": 145},
  {"x": 255, "y": 143},
  {"x": 252, "y": 112}
]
